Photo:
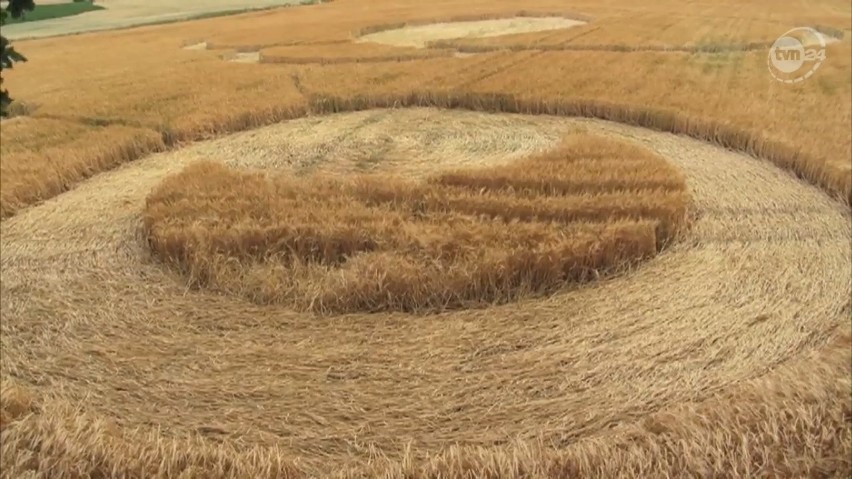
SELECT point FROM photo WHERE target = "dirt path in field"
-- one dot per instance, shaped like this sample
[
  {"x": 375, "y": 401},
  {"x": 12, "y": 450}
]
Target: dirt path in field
[
  {"x": 128, "y": 13},
  {"x": 762, "y": 277}
]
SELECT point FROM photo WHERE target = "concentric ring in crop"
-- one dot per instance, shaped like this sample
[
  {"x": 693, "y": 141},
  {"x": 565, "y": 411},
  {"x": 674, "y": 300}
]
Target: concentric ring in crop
[
  {"x": 727, "y": 353},
  {"x": 272, "y": 391}
]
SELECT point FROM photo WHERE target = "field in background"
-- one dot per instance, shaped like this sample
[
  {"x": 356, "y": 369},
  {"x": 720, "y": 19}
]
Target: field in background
[
  {"x": 113, "y": 14},
  {"x": 144, "y": 79},
  {"x": 727, "y": 354}
]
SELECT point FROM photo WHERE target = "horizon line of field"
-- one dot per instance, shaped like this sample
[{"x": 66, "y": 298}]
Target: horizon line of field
[{"x": 837, "y": 184}]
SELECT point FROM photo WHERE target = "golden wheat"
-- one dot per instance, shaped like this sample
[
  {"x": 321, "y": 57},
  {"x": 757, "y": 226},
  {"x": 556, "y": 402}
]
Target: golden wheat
[
  {"x": 34, "y": 168},
  {"x": 534, "y": 375},
  {"x": 345, "y": 53},
  {"x": 375, "y": 243},
  {"x": 754, "y": 115},
  {"x": 733, "y": 433},
  {"x": 727, "y": 355}
]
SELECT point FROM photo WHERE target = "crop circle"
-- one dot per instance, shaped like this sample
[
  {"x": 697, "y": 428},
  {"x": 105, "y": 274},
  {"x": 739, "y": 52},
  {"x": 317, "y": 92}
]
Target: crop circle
[{"x": 259, "y": 387}]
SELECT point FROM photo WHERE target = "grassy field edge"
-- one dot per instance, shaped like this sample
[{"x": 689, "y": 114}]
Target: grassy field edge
[{"x": 58, "y": 10}]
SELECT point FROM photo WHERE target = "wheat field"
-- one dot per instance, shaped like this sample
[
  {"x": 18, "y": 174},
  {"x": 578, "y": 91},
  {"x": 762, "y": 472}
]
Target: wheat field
[
  {"x": 617, "y": 248},
  {"x": 376, "y": 242}
]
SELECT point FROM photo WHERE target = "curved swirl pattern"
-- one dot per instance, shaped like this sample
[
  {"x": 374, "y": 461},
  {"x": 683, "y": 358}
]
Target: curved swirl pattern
[{"x": 762, "y": 277}]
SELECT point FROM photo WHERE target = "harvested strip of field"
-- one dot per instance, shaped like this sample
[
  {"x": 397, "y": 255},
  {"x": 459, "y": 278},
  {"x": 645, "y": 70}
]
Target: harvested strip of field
[
  {"x": 244, "y": 57},
  {"x": 710, "y": 313},
  {"x": 375, "y": 243},
  {"x": 419, "y": 36}
]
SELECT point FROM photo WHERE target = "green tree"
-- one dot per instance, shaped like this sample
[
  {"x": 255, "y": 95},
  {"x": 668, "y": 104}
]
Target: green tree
[{"x": 8, "y": 55}]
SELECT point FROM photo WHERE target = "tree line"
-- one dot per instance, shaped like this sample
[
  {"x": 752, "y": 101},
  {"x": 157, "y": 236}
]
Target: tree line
[{"x": 8, "y": 55}]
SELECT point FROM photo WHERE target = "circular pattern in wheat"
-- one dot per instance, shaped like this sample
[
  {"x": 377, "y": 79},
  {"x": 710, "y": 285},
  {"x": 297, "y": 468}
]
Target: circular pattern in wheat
[
  {"x": 457, "y": 239},
  {"x": 761, "y": 277}
]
